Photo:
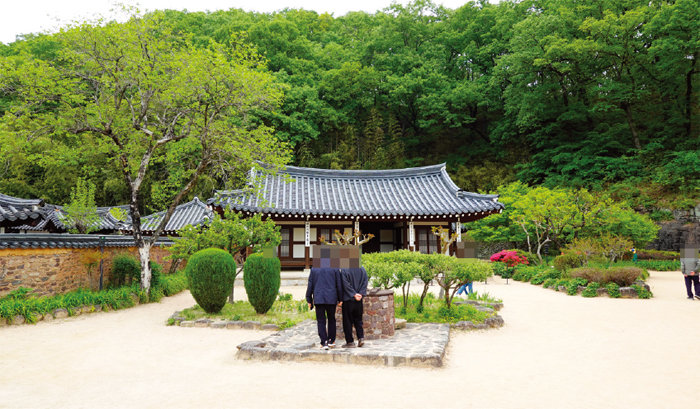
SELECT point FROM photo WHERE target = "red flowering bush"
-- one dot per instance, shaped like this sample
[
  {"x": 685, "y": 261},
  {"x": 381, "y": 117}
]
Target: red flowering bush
[
  {"x": 507, "y": 260},
  {"x": 509, "y": 257}
]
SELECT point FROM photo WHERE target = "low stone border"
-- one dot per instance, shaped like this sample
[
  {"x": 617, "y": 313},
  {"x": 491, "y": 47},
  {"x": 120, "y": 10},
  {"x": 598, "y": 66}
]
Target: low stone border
[{"x": 55, "y": 314}]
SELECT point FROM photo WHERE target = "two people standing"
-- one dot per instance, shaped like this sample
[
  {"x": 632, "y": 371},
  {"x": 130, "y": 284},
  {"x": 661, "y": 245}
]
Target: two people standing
[{"x": 346, "y": 288}]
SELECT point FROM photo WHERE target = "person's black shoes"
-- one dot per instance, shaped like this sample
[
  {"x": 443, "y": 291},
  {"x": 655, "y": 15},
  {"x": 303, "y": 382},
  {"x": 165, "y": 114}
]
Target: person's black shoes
[
  {"x": 690, "y": 298},
  {"x": 349, "y": 345},
  {"x": 698, "y": 297},
  {"x": 360, "y": 342}
]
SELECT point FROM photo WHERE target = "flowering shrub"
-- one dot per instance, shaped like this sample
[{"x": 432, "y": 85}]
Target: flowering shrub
[{"x": 509, "y": 259}]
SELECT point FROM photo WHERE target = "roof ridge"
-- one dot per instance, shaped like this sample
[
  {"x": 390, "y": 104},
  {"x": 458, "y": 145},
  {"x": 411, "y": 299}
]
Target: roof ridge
[{"x": 376, "y": 173}]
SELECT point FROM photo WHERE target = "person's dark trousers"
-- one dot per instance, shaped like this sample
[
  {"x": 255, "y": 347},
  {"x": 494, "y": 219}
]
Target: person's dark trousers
[
  {"x": 695, "y": 280},
  {"x": 325, "y": 313},
  {"x": 352, "y": 317}
]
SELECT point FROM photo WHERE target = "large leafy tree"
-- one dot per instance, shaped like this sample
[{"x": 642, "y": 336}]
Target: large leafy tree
[{"x": 138, "y": 92}]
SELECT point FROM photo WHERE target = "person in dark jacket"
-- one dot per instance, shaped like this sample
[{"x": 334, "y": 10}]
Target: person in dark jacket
[
  {"x": 354, "y": 290},
  {"x": 324, "y": 292},
  {"x": 690, "y": 266}
]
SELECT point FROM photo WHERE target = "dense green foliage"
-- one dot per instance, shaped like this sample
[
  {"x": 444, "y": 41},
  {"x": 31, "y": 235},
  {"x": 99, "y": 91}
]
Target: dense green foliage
[
  {"x": 81, "y": 213},
  {"x": 125, "y": 270},
  {"x": 210, "y": 275},
  {"x": 23, "y": 302},
  {"x": 261, "y": 277},
  {"x": 538, "y": 218},
  {"x": 556, "y": 92}
]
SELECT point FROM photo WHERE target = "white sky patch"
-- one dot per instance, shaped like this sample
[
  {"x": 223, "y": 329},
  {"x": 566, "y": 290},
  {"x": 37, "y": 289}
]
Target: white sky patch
[{"x": 31, "y": 16}]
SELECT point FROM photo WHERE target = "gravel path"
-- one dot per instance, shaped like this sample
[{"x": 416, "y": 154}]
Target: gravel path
[{"x": 555, "y": 351}]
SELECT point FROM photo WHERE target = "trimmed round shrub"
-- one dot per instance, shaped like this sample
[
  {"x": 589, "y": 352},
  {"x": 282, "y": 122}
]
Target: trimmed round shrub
[
  {"x": 261, "y": 277},
  {"x": 125, "y": 270},
  {"x": 210, "y": 275}
]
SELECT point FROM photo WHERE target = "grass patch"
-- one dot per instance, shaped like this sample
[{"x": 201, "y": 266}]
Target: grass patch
[
  {"x": 284, "y": 313},
  {"x": 434, "y": 310}
]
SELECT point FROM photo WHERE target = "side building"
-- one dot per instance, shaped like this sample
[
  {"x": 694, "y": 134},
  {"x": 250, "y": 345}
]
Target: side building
[{"x": 398, "y": 206}]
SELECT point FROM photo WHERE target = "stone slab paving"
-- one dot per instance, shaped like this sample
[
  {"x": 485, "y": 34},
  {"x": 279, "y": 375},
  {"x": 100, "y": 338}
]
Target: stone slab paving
[{"x": 421, "y": 345}]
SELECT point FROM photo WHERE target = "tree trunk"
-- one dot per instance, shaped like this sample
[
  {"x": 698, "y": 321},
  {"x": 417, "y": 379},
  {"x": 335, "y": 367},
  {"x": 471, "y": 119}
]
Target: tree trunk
[
  {"x": 426, "y": 286},
  {"x": 630, "y": 122},
  {"x": 144, "y": 258},
  {"x": 689, "y": 96}
]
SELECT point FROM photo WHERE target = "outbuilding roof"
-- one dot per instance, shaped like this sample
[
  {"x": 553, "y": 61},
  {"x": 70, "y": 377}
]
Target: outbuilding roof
[
  {"x": 52, "y": 220},
  {"x": 15, "y": 211},
  {"x": 192, "y": 213},
  {"x": 421, "y": 191}
]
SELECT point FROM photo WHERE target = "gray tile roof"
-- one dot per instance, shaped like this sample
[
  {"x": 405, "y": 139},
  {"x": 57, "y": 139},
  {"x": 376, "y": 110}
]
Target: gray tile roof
[
  {"x": 53, "y": 240},
  {"x": 192, "y": 213},
  {"x": 422, "y": 191},
  {"x": 15, "y": 211},
  {"x": 52, "y": 220}
]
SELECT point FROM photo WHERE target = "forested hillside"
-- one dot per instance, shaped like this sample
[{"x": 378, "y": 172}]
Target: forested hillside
[{"x": 562, "y": 93}]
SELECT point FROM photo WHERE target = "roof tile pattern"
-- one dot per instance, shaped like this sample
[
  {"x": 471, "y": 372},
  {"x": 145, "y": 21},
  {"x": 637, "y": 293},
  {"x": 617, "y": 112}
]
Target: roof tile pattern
[
  {"x": 52, "y": 220},
  {"x": 419, "y": 191},
  {"x": 53, "y": 240},
  {"x": 15, "y": 211},
  {"x": 190, "y": 213}
]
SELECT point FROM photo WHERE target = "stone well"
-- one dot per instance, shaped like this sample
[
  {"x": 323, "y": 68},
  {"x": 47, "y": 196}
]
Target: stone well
[{"x": 377, "y": 318}]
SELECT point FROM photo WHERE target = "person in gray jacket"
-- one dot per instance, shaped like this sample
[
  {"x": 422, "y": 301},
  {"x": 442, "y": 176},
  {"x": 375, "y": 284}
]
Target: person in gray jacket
[
  {"x": 354, "y": 289},
  {"x": 690, "y": 265}
]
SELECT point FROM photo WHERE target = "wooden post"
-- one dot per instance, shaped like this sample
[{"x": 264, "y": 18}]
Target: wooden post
[
  {"x": 411, "y": 236},
  {"x": 307, "y": 243}
]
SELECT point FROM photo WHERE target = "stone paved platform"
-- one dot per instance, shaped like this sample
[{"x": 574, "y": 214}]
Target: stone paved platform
[{"x": 421, "y": 345}]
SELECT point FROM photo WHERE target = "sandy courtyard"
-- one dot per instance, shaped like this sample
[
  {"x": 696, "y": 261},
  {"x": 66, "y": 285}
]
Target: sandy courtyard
[{"x": 555, "y": 351}]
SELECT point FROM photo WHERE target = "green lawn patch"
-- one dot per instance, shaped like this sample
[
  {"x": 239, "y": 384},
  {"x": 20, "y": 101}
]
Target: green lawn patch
[
  {"x": 434, "y": 310},
  {"x": 284, "y": 313}
]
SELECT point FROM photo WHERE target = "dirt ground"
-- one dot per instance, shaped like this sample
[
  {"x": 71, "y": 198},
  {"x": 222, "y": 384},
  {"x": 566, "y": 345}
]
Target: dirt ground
[{"x": 555, "y": 351}]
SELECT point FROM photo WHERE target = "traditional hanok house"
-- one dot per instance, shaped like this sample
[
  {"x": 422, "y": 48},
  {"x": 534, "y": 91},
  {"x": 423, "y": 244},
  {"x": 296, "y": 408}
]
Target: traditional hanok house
[
  {"x": 192, "y": 213},
  {"x": 17, "y": 212},
  {"x": 399, "y": 207}
]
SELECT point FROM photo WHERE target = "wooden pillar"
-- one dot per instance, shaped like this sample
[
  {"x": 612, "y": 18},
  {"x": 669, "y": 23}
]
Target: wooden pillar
[
  {"x": 411, "y": 236},
  {"x": 307, "y": 244}
]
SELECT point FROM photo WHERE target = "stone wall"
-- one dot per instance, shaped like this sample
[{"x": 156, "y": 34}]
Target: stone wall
[
  {"x": 377, "y": 318},
  {"x": 674, "y": 234},
  {"x": 59, "y": 270}
]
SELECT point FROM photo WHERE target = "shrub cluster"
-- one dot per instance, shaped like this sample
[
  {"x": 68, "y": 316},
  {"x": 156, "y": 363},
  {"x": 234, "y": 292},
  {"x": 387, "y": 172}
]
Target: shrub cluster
[
  {"x": 660, "y": 265},
  {"x": 126, "y": 269},
  {"x": 658, "y": 255},
  {"x": 622, "y": 276},
  {"x": 210, "y": 275},
  {"x": 261, "y": 277},
  {"x": 568, "y": 260}
]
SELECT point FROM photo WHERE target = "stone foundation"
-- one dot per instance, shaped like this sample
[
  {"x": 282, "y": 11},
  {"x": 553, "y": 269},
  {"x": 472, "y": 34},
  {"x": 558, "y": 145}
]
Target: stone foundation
[{"x": 377, "y": 318}]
